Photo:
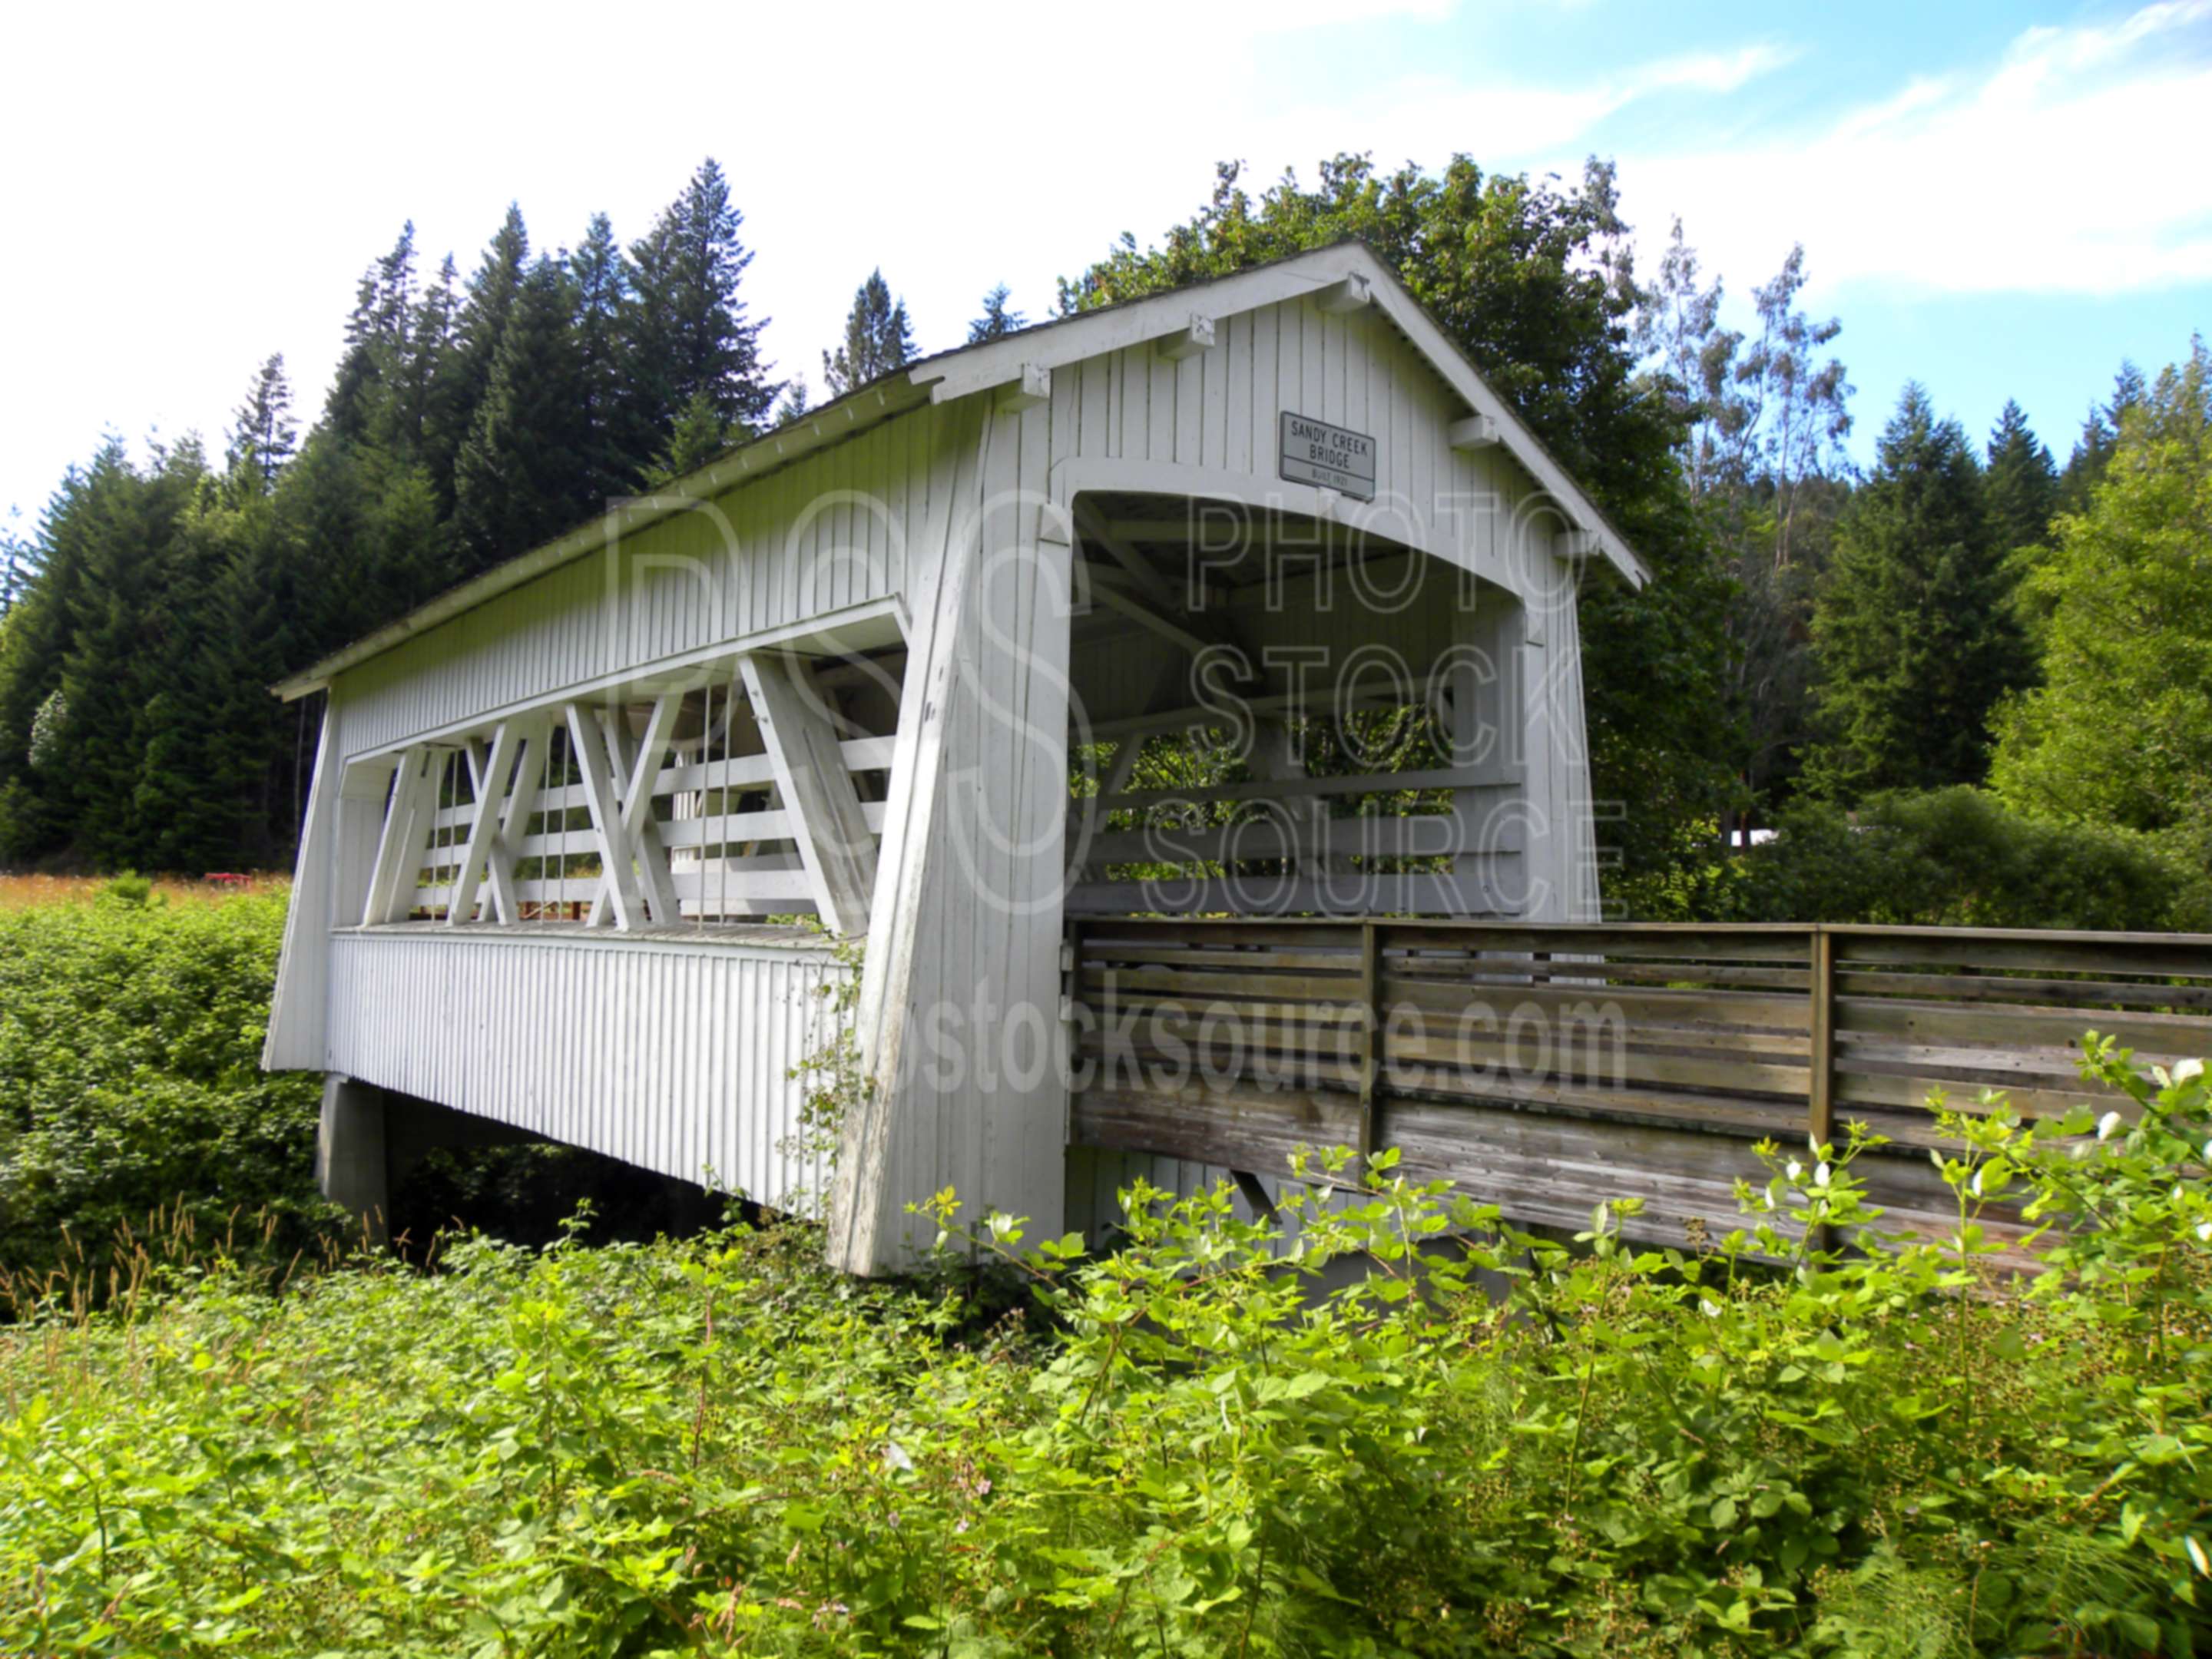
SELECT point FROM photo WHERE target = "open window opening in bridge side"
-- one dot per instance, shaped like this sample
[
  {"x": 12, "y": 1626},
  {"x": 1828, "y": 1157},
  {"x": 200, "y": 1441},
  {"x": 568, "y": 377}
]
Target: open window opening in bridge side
[
  {"x": 1283, "y": 715},
  {"x": 743, "y": 792}
]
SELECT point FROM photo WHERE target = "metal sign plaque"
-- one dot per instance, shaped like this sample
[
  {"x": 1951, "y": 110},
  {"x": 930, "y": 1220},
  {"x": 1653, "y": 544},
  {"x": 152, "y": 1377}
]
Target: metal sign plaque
[{"x": 1315, "y": 452}]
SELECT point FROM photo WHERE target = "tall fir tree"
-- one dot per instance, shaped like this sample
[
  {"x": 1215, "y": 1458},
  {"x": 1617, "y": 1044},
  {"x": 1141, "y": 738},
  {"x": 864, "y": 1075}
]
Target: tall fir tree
[
  {"x": 263, "y": 435},
  {"x": 878, "y": 338},
  {"x": 465, "y": 376},
  {"x": 688, "y": 336},
  {"x": 600, "y": 283},
  {"x": 2100, "y": 435},
  {"x": 1914, "y": 635},
  {"x": 999, "y": 317},
  {"x": 521, "y": 476},
  {"x": 2023, "y": 481},
  {"x": 376, "y": 344}
]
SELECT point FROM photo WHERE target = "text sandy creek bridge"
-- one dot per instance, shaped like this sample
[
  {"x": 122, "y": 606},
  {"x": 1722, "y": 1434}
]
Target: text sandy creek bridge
[{"x": 1250, "y": 605}]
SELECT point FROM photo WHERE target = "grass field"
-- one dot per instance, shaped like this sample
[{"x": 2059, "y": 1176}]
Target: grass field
[{"x": 30, "y": 893}]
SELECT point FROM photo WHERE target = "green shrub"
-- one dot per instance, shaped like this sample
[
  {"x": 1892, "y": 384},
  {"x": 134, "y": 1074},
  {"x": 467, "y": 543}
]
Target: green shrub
[
  {"x": 129, "y": 1072},
  {"x": 1960, "y": 857},
  {"x": 1191, "y": 1446}
]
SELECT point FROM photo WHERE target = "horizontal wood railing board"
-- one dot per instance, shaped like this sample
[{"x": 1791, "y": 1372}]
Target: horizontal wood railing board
[
  {"x": 1345, "y": 961},
  {"x": 1454, "y": 894},
  {"x": 1317, "y": 1013},
  {"x": 2060, "y": 993},
  {"x": 1226, "y": 983},
  {"x": 1630, "y": 1065},
  {"x": 2007, "y": 1025},
  {"x": 1672, "y": 945},
  {"x": 2155, "y": 955},
  {"x": 1646, "y": 1060},
  {"x": 1643, "y": 1007}
]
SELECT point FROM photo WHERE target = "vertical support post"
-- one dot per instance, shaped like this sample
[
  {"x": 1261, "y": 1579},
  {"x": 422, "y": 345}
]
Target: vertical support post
[
  {"x": 1820, "y": 1091},
  {"x": 1821, "y": 1095},
  {"x": 1371, "y": 1037}
]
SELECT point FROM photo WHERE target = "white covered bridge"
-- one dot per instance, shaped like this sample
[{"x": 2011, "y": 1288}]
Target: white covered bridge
[{"x": 1248, "y": 599}]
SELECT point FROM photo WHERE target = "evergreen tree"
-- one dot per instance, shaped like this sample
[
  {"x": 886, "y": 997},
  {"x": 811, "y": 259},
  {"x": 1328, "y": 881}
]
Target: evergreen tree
[
  {"x": 600, "y": 283},
  {"x": 999, "y": 317},
  {"x": 1914, "y": 632},
  {"x": 428, "y": 403},
  {"x": 521, "y": 477},
  {"x": 688, "y": 334},
  {"x": 878, "y": 338},
  {"x": 698, "y": 438},
  {"x": 2120, "y": 731},
  {"x": 19, "y": 562},
  {"x": 464, "y": 377},
  {"x": 263, "y": 435},
  {"x": 376, "y": 339},
  {"x": 795, "y": 403},
  {"x": 2100, "y": 435},
  {"x": 2023, "y": 483}
]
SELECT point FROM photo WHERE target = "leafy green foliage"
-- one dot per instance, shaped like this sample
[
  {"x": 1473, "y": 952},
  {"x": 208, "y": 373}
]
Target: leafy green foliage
[
  {"x": 1959, "y": 857},
  {"x": 2121, "y": 729},
  {"x": 129, "y": 1072},
  {"x": 1392, "y": 1426}
]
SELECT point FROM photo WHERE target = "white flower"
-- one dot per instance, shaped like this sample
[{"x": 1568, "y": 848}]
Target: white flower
[
  {"x": 1710, "y": 1309},
  {"x": 2186, "y": 1069},
  {"x": 2204, "y": 1232},
  {"x": 895, "y": 1457},
  {"x": 2107, "y": 1124},
  {"x": 2196, "y": 1554},
  {"x": 1795, "y": 1169},
  {"x": 1976, "y": 1187},
  {"x": 1821, "y": 1175}
]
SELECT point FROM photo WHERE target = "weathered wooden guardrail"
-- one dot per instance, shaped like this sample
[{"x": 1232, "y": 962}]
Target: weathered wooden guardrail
[{"x": 1544, "y": 1067}]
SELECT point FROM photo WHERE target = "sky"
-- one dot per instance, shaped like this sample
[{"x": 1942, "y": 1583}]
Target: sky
[{"x": 1995, "y": 200}]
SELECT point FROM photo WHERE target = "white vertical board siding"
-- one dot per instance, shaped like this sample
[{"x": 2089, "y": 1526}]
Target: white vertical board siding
[
  {"x": 970, "y": 1092},
  {"x": 1217, "y": 412},
  {"x": 826, "y": 533},
  {"x": 674, "y": 1057}
]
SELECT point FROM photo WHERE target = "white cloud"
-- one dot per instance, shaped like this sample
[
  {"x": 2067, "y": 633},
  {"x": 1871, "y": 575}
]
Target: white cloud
[{"x": 2071, "y": 164}]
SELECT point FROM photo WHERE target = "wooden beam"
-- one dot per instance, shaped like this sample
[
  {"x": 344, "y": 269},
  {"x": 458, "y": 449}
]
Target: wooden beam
[
  {"x": 1095, "y": 530},
  {"x": 831, "y": 827},
  {"x": 1353, "y": 293},
  {"x": 1193, "y": 338},
  {"x": 531, "y": 742},
  {"x": 399, "y": 848},
  {"x": 618, "y": 878},
  {"x": 488, "y": 768},
  {"x": 1475, "y": 432},
  {"x": 1032, "y": 386},
  {"x": 1575, "y": 545},
  {"x": 642, "y": 766},
  {"x": 1152, "y": 622}
]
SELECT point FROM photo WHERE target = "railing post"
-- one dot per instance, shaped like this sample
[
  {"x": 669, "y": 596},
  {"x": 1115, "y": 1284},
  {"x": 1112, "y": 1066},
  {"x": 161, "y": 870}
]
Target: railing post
[
  {"x": 1821, "y": 1095},
  {"x": 1371, "y": 1036}
]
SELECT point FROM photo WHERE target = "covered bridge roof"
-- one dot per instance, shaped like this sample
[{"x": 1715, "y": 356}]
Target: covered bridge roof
[{"x": 968, "y": 369}]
